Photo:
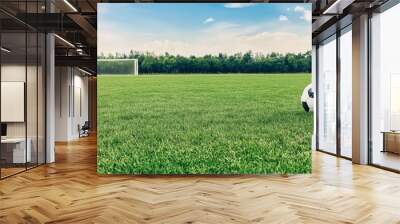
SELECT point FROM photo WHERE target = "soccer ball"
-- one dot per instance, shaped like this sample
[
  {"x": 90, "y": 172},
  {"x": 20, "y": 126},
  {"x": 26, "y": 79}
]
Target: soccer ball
[{"x": 307, "y": 98}]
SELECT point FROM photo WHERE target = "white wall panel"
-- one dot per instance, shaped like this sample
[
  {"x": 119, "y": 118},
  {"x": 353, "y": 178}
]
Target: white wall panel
[{"x": 12, "y": 101}]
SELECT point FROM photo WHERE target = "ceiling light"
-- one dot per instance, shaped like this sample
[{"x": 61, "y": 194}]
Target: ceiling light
[
  {"x": 70, "y": 5},
  {"x": 5, "y": 50},
  {"x": 79, "y": 51},
  {"x": 86, "y": 72},
  {"x": 337, "y": 7},
  {"x": 64, "y": 40}
]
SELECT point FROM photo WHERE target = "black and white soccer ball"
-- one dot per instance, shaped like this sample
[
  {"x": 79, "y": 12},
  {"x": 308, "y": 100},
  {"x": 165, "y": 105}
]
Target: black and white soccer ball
[{"x": 307, "y": 98}]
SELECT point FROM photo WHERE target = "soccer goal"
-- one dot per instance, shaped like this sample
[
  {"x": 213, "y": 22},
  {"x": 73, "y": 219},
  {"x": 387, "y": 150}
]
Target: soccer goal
[{"x": 118, "y": 67}]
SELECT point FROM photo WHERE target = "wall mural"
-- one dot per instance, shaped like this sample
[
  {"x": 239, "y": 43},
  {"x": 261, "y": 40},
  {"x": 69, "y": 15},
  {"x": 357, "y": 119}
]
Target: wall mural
[{"x": 215, "y": 88}]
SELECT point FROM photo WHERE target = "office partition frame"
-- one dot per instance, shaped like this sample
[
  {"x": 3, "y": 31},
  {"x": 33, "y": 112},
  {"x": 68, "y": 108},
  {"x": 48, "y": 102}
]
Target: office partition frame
[
  {"x": 339, "y": 32},
  {"x": 381, "y": 9},
  {"x": 28, "y": 30}
]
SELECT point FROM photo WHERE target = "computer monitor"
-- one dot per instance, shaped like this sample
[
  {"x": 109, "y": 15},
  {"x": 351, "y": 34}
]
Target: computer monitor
[{"x": 3, "y": 129}]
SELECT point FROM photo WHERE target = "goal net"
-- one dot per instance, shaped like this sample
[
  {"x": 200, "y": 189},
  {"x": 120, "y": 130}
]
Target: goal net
[{"x": 118, "y": 67}]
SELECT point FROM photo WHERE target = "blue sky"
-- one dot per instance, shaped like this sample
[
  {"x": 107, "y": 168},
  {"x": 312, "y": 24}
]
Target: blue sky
[{"x": 200, "y": 28}]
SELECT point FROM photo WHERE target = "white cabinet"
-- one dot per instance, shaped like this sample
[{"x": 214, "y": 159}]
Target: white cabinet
[{"x": 19, "y": 155}]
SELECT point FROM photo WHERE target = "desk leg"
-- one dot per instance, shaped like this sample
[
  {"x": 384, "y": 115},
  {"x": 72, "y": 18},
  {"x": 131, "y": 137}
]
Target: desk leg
[{"x": 384, "y": 142}]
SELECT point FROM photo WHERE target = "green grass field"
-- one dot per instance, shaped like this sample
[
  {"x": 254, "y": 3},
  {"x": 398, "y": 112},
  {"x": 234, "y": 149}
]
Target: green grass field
[{"x": 203, "y": 124}]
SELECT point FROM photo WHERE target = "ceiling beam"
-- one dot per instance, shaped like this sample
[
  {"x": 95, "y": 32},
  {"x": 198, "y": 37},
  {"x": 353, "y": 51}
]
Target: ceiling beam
[
  {"x": 78, "y": 61},
  {"x": 337, "y": 7},
  {"x": 84, "y": 24}
]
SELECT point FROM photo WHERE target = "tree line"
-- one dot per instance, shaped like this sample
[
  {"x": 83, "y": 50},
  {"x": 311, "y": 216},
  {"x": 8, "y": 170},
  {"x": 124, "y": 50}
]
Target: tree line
[{"x": 237, "y": 63}]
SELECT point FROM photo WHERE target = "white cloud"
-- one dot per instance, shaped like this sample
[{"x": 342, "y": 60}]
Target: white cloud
[
  {"x": 217, "y": 37},
  {"x": 208, "y": 20},
  {"x": 237, "y": 5},
  {"x": 306, "y": 15},
  {"x": 299, "y": 9},
  {"x": 283, "y": 18}
]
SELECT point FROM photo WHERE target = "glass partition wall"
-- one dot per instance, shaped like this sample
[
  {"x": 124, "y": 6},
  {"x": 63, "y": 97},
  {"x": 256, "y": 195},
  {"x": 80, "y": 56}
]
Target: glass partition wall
[
  {"x": 334, "y": 94},
  {"x": 345, "y": 108},
  {"x": 327, "y": 95},
  {"x": 334, "y": 106},
  {"x": 22, "y": 107},
  {"x": 13, "y": 89},
  {"x": 385, "y": 89}
]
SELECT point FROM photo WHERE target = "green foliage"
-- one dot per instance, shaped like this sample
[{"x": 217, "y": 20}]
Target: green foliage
[
  {"x": 222, "y": 63},
  {"x": 203, "y": 124}
]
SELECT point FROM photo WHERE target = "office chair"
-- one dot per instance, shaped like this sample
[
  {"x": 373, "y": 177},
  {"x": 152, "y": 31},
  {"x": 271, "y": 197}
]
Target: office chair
[{"x": 84, "y": 130}]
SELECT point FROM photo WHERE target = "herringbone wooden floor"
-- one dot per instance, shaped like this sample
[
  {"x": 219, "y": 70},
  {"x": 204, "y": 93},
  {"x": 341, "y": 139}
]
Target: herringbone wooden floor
[{"x": 70, "y": 191}]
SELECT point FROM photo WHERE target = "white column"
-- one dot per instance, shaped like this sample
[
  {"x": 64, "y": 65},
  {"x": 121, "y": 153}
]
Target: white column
[
  {"x": 50, "y": 98},
  {"x": 314, "y": 87},
  {"x": 360, "y": 90},
  {"x": 63, "y": 103}
]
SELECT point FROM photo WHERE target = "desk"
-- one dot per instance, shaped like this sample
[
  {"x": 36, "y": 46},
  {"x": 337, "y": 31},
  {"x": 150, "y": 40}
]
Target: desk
[
  {"x": 14, "y": 150},
  {"x": 391, "y": 141}
]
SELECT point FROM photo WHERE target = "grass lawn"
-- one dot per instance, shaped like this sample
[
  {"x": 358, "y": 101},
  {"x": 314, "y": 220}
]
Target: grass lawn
[{"x": 203, "y": 124}]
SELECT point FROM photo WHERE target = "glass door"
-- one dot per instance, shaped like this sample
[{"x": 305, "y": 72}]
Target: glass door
[
  {"x": 327, "y": 95},
  {"x": 32, "y": 98},
  {"x": 346, "y": 92},
  {"x": 385, "y": 89}
]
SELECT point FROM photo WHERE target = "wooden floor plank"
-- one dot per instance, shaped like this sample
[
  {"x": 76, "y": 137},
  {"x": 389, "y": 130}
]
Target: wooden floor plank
[{"x": 70, "y": 191}]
